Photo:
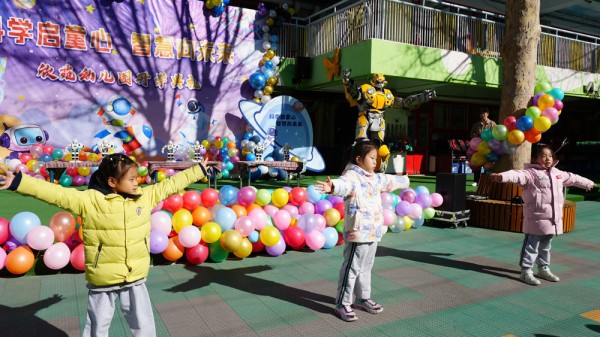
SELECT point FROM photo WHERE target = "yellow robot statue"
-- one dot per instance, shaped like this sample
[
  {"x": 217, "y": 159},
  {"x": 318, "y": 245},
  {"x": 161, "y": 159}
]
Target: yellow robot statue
[{"x": 372, "y": 99}]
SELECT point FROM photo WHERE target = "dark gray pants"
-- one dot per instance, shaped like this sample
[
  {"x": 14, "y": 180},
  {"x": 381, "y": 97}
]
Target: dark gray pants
[
  {"x": 355, "y": 274},
  {"x": 136, "y": 307},
  {"x": 536, "y": 249}
]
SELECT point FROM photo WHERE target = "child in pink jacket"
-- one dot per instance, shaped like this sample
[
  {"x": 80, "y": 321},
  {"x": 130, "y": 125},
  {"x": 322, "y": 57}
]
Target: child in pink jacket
[{"x": 543, "y": 201}]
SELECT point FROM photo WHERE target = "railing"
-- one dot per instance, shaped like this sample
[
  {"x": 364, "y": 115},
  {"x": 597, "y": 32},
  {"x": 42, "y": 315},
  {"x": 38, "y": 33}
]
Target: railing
[{"x": 436, "y": 24}]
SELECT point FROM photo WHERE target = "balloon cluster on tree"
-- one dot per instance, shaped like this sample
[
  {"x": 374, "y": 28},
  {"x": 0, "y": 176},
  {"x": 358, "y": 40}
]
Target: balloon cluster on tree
[
  {"x": 544, "y": 111},
  {"x": 266, "y": 77},
  {"x": 216, "y": 7},
  {"x": 212, "y": 224},
  {"x": 24, "y": 238},
  {"x": 33, "y": 164}
]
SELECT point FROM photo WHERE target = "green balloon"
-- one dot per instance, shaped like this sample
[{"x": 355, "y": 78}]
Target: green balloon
[
  {"x": 533, "y": 112},
  {"x": 500, "y": 132},
  {"x": 428, "y": 213},
  {"x": 542, "y": 87},
  {"x": 340, "y": 226},
  {"x": 216, "y": 252}
]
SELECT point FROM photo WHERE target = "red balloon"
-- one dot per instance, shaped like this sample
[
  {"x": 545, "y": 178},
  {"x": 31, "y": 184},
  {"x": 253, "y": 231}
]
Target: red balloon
[
  {"x": 209, "y": 197},
  {"x": 173, "y": 203},
  {"x": 298, "y": 196},
  {"x": 340, "y": 207},
  {"x": 257, "y": 246},
  {"x": 197, "y": 254},
  {"x": 72, "y": 171},
  {"x": 4, "y": 230},
  {"x": 78, "y": 258},
  {"x": 510, "y": 122},
  {"x": 47, "y": 149},
  {"x": 294, "y": 237},
  {"x": 191, "y": 200},
  {"x": 340, "y": 239}
]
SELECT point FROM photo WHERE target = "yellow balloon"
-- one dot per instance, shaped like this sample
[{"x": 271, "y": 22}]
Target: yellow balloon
[
  {"x": 30, "y": 164},
  {"x": 182, "y": 218},
  {"x": 206, "y": 144},
  {"x": 257, "y": 100},
  {"x": 280, "y": 198},
  {"x": 477, "y": 159},
  {"x": 296, "y": 159},
  {"x": 291, "y": 11},
  {"x": 84, "y": 171},
  {"x": 210, "y": 232},
  {"x": 542, "y": 123},
  {"x": 92, "y": 157},
  {"x": 483, "y": 148},
  {"x": 270, "y": 54},
  {"x": 219, "y": 144},
  {"x": 546, "y": 101},
  {"x": 231, "y": 240},
  {"x": 264, "y": 59},
  {"x": 217, "y": 2},
  {"x": 270, "y": 235},
  {"x": 67, "y": 157},
  {"x": 210, "y": 5},
  {"x": 245, "y": 249},
  {"x": 161, "y": 175},
  {"x": 408, "y": 221},
  {"x": 273, "y": 80},
  {"x": 267, "y": 90},
  {"x": 517, "y": 137},
  {"x": 332, "y": 216}
]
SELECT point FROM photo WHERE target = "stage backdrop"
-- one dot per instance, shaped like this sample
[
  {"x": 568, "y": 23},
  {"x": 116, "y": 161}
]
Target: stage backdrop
[{"x": 164, "y": 68}]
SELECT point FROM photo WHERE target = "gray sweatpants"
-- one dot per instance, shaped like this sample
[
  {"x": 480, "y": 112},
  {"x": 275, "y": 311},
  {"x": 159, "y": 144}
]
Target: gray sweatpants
[
  {"x": 136, "y": 307},
  {"x": 536, "y": 249},
  {"x": 355, "y": 274}
]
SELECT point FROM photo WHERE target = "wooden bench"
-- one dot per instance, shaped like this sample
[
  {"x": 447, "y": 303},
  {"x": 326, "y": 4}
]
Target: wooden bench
[{"x": 500, "y": 213}]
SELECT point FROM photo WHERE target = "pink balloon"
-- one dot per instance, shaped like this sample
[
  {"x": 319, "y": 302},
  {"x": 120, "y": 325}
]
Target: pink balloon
[
  {"x": 408, "y": 195},
  {"x": 244, "y": 225},
  {"x": 436, "y": 199},
  {"x": 2, "y": 258},
  {"x": 270, "y": 210},
  {"x": 4, "y": 230},
  {"x": 415, "y": 211},
  {"x": 321, "y": 222},
  {"x": 57, "y": 256},
  {"x": 388, "y": 217},
  {"x": 306, "y": 208},
  {"x": 293, "y": 210},
  {"x": 78, "y": 258},
  {"x": 259, "y": 218},
  {"x": 158, "y": 207},
  {"x": 189, "y": 236},
  {"x": 386, "y": 198},
  {"x": 160, "y": 221},
  {"x": 552, "y": 114},
  {"x": 40, "y": 238},
  {"x": 246, "y": 196},
  {"x": 315, "y": 240},
  {"x": 474, "y": 143},
  {"x": 558, "y": 104},
  {"x": 282, "y": 219}
]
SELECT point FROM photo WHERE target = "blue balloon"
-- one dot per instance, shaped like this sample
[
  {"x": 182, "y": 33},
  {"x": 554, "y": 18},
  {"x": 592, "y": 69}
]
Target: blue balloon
[
  {"x": 524, "y": 123},
  {"x": 250, "y": 157},
  {"x": 421, "y": 189},
  {"x": 228, "y": 195},
  {"x": 225, "y": 217},
  {"x": 418, "y": 222},
  {"x": 21, "y": 223},
  {"x": 46, "y": 157},
  {"x": 248, "y": 135},
  {"x": 557, "y": 93},
  {"x": 253, "y": 237},
  {"x": 121, "y": 106},
  {"x": 274, "y": 38},
  {"x": 492, "y": 157},
  {"x": 331, "y": 237},
  {"x": 269, "y": 64},
  {"x": 282, "y": 174},
  {"x": 257, "y": 80},
  {"x": 313, "y": 195},
  {"x": 256, "y": 139},
  {"x": 487, "y": 135}
]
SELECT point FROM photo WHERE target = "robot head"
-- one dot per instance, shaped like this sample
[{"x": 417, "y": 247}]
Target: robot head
[
  {"x": 378, "y": 81},
  {"x": 22, "y": 137}
]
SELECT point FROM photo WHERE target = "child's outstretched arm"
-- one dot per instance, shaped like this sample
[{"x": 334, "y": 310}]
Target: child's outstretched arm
[
  {"x": 324, "y": 186},
  {"x": 392, "y": 182},
  {"x": 67, "y": 198},
  {"x": 176, "y": 183},
  {"x": 572, "y": 179},
  {"x": 520, "y": 177}
]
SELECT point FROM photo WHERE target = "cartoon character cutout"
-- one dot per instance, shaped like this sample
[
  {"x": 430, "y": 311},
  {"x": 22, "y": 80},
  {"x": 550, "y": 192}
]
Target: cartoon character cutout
[
  {"x": 127, "y": 137},
  {"x": 20, "y": 138},
  {"x": 258, "y": 151},
  {"x": 74, "y": 148},
  {"x": 197, "y": 121},
  {"x": 171, "y": 149}
]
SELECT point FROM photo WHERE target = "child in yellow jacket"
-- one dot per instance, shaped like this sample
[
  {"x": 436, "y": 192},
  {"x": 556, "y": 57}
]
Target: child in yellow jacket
[{"x": 116, "y": 235}]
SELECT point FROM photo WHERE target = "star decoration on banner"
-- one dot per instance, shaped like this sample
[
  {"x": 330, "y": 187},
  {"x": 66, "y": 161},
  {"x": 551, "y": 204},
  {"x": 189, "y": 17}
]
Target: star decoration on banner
[
  {"x": 157, "y": 30},
  {"x": 115, "y": 52},
  {"x": 191, "y": 26},
  {"x": 142, "y": 1},
  {"x": 90, "y": 9}
]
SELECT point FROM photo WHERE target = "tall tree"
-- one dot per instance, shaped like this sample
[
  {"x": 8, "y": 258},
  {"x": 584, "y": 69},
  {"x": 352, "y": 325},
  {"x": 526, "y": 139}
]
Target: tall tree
[{"x": 519, "y": 55}]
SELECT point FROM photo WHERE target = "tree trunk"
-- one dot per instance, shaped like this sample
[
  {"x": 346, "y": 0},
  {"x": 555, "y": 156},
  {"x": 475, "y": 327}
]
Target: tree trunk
[{"x": 519, "y": 58}]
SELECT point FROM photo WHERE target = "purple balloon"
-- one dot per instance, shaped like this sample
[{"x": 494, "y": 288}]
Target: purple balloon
[
  {"x": 287, "y": 188},
  {"x": 78, "y": 180},
  {"x": 537, "y": 97},
  {"x": 403, "y": 208},
  {"x": 408, "y": 195},
  {"x": 423, "y": 199},
  {"x": 276, "y": 249},
  {"x": 334, "y": 199},
  {"x": 322, "y": 205},
  {"x": 158, "y": 242}
]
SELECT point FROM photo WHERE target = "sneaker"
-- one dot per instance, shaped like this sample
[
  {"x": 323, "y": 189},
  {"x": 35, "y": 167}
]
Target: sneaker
[
  {"x": 527, "y": 277},
  {"x": 545, "y": 273},
  {"x": 474, "y": 184},
  {"x": 345, "y": 313},
  {"x": 369, "y": 306}
]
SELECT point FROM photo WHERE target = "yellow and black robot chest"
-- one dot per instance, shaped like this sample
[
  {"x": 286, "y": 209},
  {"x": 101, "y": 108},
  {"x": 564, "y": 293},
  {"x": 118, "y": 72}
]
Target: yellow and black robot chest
[{"x": 377, "y": 99}]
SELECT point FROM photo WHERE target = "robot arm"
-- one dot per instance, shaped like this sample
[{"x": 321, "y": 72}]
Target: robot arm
[
  {"x": 351, "y": 90},
  {"x": 414, "y": 101}
]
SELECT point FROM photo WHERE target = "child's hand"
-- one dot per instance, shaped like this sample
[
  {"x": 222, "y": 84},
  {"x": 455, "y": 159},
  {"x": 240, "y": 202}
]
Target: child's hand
[
  {"x": 351, "y": 235},
  {"x": 324, "y": 186},
  {"x": 6, "y": 177},
  {"x": 495, "y": 177},
  {"x": 204, "y": 164},
  {"x": 592, "y": 188}
]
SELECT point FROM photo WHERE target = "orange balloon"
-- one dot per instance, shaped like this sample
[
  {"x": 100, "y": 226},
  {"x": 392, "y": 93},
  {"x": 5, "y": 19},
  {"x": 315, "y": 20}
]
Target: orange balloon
[
  {"x": 239, "y": 210},
  {"x": 83, "y": 156},
  {"x": 20, "y": 260},
  {"x": 174, "y": 250},
  {"x": 140, "y": 180},
  {"x": 251, "y": 207},
  {"x": 63, "y": 225},
  {"x": 200, "y": 216},
  {"x": 533, "y": 136},
  {"x": 81, "y": 233}
]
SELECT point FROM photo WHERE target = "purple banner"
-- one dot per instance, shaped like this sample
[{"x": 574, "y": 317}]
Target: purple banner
[{"x": 137, "y": 74}]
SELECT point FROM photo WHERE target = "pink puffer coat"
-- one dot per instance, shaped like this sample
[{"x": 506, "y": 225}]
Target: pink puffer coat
[{"x": 543, "y": 196}]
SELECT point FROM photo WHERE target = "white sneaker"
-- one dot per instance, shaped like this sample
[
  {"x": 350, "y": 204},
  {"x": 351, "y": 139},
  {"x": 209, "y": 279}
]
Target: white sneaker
[
  {"x": 527, "y": 277},
  {"x": 474, "y": 184},
  {"x": 545, "y": 273}
]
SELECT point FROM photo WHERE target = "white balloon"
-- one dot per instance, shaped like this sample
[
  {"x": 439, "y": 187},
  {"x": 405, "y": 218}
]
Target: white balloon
[
  {"x": 258, "y": 94},
  {"x": 13, "y": 163},
  {"x": 265, "y": 99},
  {"x": 266, "y": 45},
  {"x": 275, "y": 60}
]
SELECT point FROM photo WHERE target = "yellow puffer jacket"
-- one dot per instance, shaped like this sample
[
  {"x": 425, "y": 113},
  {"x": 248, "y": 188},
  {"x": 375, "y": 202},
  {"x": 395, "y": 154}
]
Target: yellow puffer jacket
[{"x": 116, "y": 230}]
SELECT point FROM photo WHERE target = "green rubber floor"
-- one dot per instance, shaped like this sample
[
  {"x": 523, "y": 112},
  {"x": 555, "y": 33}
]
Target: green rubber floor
[{"x": 432, "y": 281}]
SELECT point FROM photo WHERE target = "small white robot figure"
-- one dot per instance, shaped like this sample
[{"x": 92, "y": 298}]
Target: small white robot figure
[
  {"x": 106, "y": 148},
  {"x": 199, "y": 152},
  {"x": 286, "y": 151},
  {"x": 171, "y": 149},
  {"x": 74, "y": 148},
  {"x": 258, "y": 151}
]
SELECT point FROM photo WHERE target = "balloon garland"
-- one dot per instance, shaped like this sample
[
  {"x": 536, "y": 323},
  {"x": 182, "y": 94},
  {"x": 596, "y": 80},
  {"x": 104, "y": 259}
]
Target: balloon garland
[
  {"x": 216, "y": 7},
  {"x": 546, "y": 107},
  {"x": 266, "y": 77}
]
